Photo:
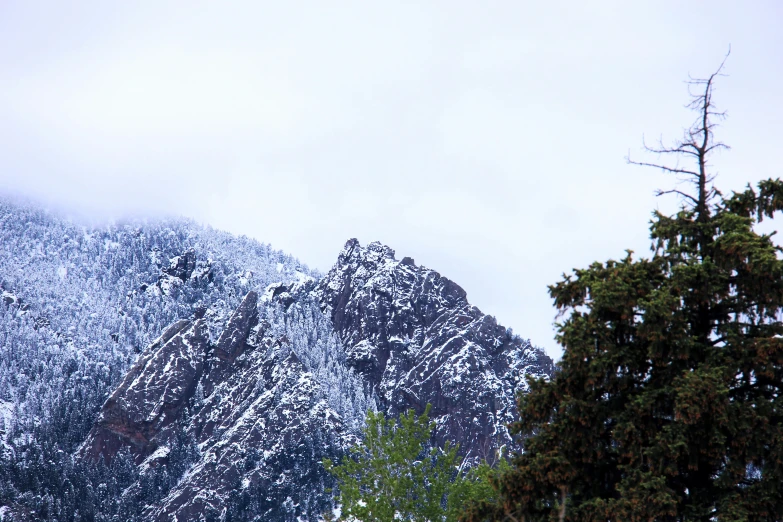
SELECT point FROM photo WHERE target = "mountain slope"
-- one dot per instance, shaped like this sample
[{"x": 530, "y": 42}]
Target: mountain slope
[
  {"x": 78, "y": 304},
  {"x": 390, "y": 330},
  {"x": 259, "y": 419},
  {"x": 166, "y": 371}
]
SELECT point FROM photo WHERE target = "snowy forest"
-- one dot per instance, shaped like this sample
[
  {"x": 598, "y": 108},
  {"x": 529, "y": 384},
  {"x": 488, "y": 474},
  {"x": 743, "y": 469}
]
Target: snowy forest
[{"x": 80, "y": 303}]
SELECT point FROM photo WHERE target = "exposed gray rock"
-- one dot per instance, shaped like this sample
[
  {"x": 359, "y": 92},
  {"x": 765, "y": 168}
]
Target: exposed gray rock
[
  {"x": 417, "y": 339},
  {"x": 152, "y": 394},
  {"x": 263, "y": 416},
  {"x": 259, "y": 419},
  {"x": 182, "y": 266},
  {"x": 234, "y": 336},
  {"x": 265, "y": 428}
]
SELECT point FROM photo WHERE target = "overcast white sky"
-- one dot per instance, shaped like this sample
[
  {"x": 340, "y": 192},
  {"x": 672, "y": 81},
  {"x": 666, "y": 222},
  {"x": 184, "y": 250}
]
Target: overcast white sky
[{"x": 484, "y": 139}]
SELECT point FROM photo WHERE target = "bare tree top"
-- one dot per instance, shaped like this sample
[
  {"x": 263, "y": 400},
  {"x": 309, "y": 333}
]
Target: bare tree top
[{"x": 692, "y": 151}]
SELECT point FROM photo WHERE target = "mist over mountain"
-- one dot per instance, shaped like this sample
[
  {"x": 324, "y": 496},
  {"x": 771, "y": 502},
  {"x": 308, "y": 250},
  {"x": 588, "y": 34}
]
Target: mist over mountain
[{"x": 164, "y": 370}]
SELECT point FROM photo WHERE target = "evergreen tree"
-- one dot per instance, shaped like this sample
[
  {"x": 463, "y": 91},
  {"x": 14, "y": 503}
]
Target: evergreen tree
[{"x": 667, "y": 402}]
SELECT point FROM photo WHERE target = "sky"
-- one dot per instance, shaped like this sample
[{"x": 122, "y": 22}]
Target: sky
[{"x": 486, "y": 140}]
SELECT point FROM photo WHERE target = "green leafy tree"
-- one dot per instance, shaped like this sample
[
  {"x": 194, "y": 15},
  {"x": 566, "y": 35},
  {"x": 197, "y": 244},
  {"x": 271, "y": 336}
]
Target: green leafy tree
[
  {"x": 475, "y": 486},
  {"x": 667, "y": 403},
  {"x": 393, "y": 476}
]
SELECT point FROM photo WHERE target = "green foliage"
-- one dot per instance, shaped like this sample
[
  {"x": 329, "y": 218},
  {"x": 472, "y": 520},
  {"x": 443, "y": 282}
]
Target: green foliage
[
  {"x": 475, "y": 486},
  {"x": 393, "y": 476},
  {"x": 667, "y": 403}
]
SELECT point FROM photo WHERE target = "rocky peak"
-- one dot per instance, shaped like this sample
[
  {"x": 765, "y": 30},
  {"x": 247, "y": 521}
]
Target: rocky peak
[
  {"x": 415, "y": 337},
  {"x": 273, "y": 394},
  {"x": 235, "y": 335}
]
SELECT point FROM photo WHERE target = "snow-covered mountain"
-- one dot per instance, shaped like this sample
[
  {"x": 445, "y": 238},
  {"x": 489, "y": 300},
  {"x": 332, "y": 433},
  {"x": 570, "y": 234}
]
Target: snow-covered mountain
[
  {"x": 168, "y": 371},
  {"x": 415, "y": 338}
]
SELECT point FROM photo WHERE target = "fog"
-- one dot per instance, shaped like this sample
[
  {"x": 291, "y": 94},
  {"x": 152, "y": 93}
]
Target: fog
[{"x": 486, "y": 141}]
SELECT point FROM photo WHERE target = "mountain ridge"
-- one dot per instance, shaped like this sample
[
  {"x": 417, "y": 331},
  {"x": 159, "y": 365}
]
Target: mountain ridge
[{"x": 259, "y": 374}]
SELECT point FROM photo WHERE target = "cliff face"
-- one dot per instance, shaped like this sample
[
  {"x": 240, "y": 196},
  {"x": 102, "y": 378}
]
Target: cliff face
[
  {"x": 416, "y": 339},
  {"x": 256, "y": 418},
  {"x": 284, "y": 383},
  {"x": 152, "y": 394}
]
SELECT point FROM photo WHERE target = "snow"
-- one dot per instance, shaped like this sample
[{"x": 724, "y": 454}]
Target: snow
[
  {"x": 160, "y": 453},
  {"x": 245, "y": 277},
  {"x": 8, "y": 297},
  {"x": 295, "y": 382},
  {"x": 6, "y": 416}
]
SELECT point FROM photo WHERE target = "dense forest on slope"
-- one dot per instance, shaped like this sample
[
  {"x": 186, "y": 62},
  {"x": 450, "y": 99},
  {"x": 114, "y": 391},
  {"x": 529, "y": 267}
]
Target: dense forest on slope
[
  {"x": 78, "y": 305},
  {"x": 151, "y": 370}
]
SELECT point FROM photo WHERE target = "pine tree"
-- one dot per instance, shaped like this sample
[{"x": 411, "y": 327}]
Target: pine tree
[{"x": 667, "y": 402}]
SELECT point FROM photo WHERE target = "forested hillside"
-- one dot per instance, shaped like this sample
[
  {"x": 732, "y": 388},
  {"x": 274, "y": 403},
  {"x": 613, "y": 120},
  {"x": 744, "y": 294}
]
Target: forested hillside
[
  {"x": 164, "y": 370},
  {"x": 78, "y": 306}
]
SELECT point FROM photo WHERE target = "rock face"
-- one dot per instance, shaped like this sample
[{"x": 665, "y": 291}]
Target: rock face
[
  {"x": 252, "y": 412},
  {"x": 152, "y": 394},
  {"x": 276, "y": 392},
  {"x": 235, "y": 335},
  {"x": 417, "y": 340},
  {"x": 182, "y": 266},
  {"x": 265, "y": 429}
]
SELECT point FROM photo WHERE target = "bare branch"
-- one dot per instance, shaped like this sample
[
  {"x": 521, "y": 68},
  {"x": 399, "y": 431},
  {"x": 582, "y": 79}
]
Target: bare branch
[
  {"x": 675, "y": 191},
  {"x": 512, "y": 518},
  {"x": 563, "y": 495},
  {"x": 662, "y": 167},
  {"x": 717, "y": 146},
  {"x": 679, "y": 150}
]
